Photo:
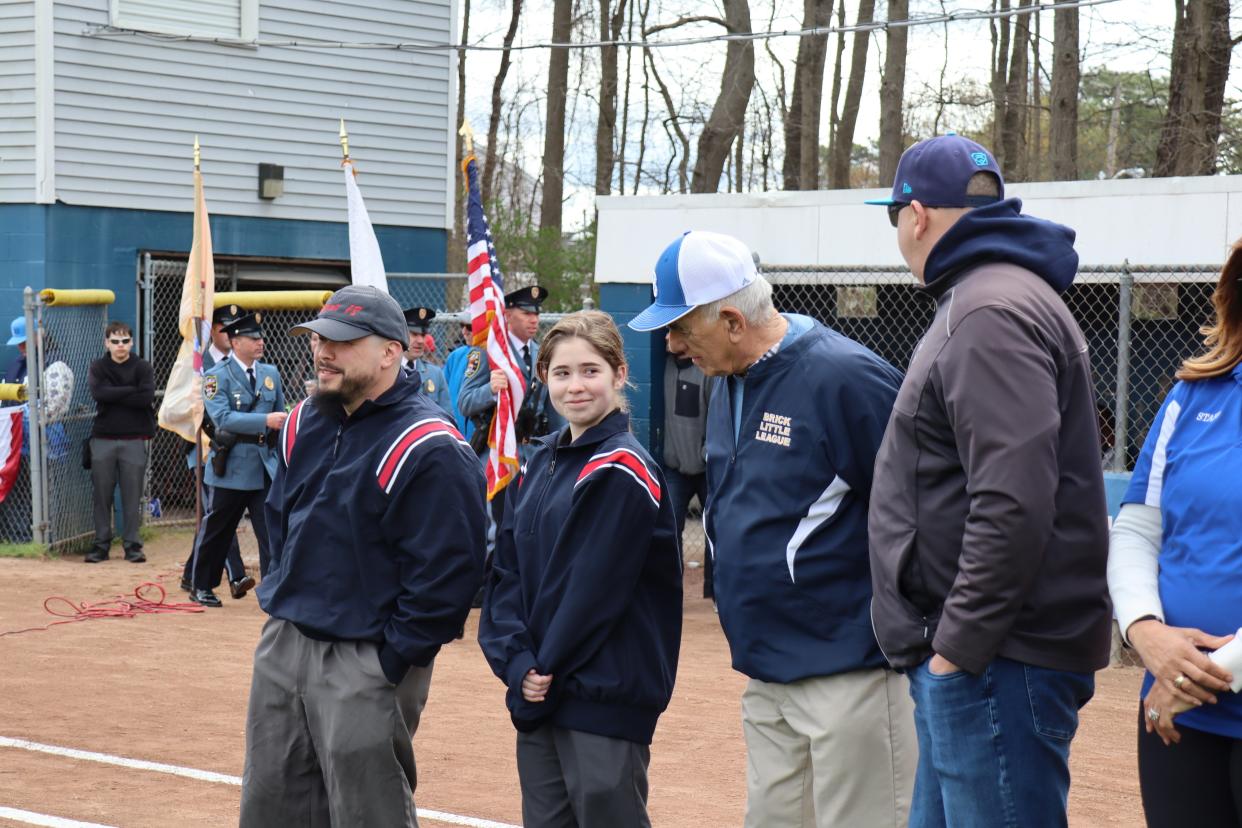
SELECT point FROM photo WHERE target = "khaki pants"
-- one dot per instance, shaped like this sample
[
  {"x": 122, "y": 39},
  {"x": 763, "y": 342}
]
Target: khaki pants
[
  {"x": 829, "y": 751},
  {"x": 328, "y": 739}
]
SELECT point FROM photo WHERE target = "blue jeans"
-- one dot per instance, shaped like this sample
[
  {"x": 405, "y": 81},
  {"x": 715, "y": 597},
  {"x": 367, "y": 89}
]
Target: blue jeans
[{"x": 994, "y": 748}]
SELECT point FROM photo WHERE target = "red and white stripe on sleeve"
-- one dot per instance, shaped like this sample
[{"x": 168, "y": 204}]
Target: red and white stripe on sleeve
[
  {"x": 399, "y": 451},
  {"x": 626, "y": 461}
]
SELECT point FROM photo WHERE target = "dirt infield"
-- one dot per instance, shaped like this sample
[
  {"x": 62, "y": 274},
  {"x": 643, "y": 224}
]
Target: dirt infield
[{"x": 173, "y": 688}]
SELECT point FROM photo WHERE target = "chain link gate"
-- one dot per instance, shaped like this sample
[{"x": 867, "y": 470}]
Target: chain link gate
[{"x": 66, "y": 330}]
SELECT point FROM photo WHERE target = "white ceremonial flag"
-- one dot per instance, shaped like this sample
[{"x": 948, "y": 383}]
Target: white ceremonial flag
[{"x": 365, "y": 261}]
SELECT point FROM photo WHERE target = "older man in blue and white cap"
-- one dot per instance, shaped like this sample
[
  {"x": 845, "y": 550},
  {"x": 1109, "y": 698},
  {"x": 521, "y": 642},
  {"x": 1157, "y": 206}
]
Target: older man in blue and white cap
[{"x": 792, "y": 434}]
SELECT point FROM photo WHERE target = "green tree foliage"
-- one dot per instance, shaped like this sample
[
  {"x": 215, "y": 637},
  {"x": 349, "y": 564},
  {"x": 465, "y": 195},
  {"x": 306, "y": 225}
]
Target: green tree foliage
[
  {"x": 1139, "y": 100},
  {"x": 558, "y": 263}
]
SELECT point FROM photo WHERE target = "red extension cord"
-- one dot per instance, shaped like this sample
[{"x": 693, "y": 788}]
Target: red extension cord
[{"x": 144, "y": 602}]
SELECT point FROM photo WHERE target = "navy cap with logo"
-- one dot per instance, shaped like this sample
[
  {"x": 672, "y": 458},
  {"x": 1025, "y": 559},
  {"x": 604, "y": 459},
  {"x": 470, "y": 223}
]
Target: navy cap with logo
[
  {"x": 356, "y": 311},
  {"x": 227, "y": 314},
  {"x": 419, "y": 319},
  {"x": 935, "y": 173},
  {"x": 249, "y": 324},
  {"x": 527, "y": 298}
]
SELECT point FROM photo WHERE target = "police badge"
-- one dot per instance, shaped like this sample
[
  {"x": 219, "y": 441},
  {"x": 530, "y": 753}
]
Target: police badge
[{"x": 473, "y": 361}]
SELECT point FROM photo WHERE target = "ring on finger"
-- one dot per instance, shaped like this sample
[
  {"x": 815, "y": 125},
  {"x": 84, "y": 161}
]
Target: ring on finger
[
  {"x": 1179, "y": 681},
  {"x": 1153, "y": 714}
]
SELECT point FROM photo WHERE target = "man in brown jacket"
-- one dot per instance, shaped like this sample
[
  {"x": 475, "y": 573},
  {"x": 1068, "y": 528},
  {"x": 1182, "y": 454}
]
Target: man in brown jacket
[{"x": 987, "y": 525}]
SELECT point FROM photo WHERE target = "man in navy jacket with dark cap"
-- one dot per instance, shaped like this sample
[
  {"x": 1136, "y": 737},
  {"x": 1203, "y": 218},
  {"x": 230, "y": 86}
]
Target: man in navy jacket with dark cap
[
  {"x": 376, "y": 521},
  {"x": 792, "y": 433}
]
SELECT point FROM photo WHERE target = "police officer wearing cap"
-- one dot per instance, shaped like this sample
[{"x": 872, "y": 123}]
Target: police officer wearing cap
[
  {"x": 431, "y": 378},
  {"x": 217, "y": 351},
  {"x": 480, "y": 387},
  {"x": 244, "y": 399}
]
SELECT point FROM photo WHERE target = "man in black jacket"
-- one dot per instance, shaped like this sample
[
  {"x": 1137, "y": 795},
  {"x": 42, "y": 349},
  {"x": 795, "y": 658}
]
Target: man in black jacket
[
  {"x": 123, "y": 387},
  {"x": 987, "y": 526}
]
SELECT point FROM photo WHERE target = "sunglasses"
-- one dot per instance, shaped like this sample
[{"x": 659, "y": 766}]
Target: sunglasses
[
  {"x": 124, "y": 341},
  {"x": 894, "y": 210}
]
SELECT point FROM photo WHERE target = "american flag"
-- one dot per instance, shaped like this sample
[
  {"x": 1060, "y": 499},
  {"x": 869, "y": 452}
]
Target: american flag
[{"x": 487, "y": 304}]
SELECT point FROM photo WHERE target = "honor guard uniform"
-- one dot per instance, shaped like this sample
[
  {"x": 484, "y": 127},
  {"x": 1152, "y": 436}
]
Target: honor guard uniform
[
  {"x": 418, "y": 321},
  {"x": 247, "y": 406},
  {"x": 476, "y": 401},
  {"x": 239, "y": 582}
]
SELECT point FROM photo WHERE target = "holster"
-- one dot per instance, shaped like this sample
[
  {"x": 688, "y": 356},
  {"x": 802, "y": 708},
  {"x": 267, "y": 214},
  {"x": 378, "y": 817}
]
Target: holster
[{"x": 222, "y": 441}]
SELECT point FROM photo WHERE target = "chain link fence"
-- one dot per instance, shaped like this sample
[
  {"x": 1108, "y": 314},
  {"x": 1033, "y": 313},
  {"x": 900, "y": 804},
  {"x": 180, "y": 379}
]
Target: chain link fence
[{"x": 50, "y": 502}]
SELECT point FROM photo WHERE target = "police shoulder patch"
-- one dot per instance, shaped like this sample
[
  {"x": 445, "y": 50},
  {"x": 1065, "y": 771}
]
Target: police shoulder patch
[
  {"x": 210, "y": 387},
  {"x": 473, "y": 361}
]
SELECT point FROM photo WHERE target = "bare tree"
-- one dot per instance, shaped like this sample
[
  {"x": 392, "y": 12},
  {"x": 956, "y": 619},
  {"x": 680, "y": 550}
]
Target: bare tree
[
  {"x": 725, "y": 123},
  {"x": 610, "y": 23},
  {"x": 493, "y": 123},
  {"x": 1201, "y": 53},
  {"x": 892, "y": 89},
  {"x": 801, "y": 165},
  {"x": 843, "y": 146},
  {"x": 672, "y": 125},
  {"x": 1035, "y": 154},
  {"x": 456, "y": 258},
  {"x": 1063, "y": 97},
  {"x": 625, "y": 100},
  {"x": 554, "y": 131},
  {"x": 999, "y": 27},
  {"x": 1013, "y": 125},
  {"x": 834, "y": 117}
]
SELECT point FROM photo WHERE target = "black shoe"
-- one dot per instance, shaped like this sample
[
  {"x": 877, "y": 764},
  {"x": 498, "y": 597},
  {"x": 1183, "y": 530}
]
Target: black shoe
[
  {"x": 186, "y": 586},
  {"x": 241, "y": 586},
  {"x": 135, "y": 556},
  {"x": 96, "y": 556},
  {"x": 205, "y": 597}
]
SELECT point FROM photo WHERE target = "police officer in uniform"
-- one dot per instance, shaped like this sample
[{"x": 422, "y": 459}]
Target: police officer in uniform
[
  {"x": 243, "y": 397},
  {"x": 479, "y": 389},
  {"x": 217, "y": 351},
  {"x": 418, "y": 321}
]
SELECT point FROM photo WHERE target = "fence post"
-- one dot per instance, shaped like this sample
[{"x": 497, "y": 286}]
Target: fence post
[
  {"x": 34, "y": 407},
  {"x": 1121, "y": 427}
]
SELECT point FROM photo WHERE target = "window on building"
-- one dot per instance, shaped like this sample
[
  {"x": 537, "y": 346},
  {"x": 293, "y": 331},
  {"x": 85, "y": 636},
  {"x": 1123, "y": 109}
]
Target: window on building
[{"x": 229, "y": 19}]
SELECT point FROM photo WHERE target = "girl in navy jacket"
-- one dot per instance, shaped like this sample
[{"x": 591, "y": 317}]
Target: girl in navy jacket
[{"x": 582, "y": 613}]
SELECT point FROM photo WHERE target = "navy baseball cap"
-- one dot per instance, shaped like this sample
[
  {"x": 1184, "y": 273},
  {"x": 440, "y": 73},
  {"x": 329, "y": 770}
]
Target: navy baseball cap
[
  {"x": 935, "y": 172},
  {"x": 699, "y": 267},
  {"x": 356, "y": 311}
]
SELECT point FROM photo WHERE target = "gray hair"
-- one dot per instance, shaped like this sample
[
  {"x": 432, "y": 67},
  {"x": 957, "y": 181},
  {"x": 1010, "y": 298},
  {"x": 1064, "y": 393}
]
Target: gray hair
[{"x": 754, "y": 302}]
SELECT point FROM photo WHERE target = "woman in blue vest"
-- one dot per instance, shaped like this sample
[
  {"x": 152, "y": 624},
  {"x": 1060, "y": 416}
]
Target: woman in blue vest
[
  {"x": 582, "y": 611},
  {"x": 1175, "y": 576}
]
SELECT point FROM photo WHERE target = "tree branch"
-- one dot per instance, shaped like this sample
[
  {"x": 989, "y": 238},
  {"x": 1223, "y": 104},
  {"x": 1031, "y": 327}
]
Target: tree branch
[{"x": 683, "y": 21}]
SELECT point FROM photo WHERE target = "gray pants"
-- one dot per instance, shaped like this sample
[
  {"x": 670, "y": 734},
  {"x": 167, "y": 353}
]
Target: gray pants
[
  {"x": 572, "y": 779},
  {"x": 112, "y": 462},
  {"x": 328, "y": 739}
]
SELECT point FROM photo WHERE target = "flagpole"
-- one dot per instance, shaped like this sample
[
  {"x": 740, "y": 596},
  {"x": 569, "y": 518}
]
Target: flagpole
[{"x": 198, "y": 333}]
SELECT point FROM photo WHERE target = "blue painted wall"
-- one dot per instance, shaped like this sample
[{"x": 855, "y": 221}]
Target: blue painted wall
[
  {"x": 645, "y": 352},
  {"x": 58, "y": 245}
]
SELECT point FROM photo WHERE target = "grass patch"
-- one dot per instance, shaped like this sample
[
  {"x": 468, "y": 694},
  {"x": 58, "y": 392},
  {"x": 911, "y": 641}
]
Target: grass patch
[{"x": 22, "y": 550}]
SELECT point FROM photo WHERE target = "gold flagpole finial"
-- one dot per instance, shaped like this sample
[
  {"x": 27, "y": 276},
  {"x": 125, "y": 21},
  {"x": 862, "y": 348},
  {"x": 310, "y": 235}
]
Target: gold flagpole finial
[
  {"x": 344, "y": 142},
  {"x": 196, "y": 153},
  {"x": 468, "y": 135}
]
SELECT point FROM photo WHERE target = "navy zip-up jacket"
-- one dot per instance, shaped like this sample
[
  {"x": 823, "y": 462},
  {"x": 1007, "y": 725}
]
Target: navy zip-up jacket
[
  {"x": 377, "y": 526},
  {"x": 787, "y": 507},
  {"x": 586, "y": 586}
]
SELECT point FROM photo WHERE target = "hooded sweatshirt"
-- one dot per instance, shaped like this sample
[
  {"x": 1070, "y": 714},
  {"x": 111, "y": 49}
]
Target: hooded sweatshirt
[{"x": 988, "y": 526}]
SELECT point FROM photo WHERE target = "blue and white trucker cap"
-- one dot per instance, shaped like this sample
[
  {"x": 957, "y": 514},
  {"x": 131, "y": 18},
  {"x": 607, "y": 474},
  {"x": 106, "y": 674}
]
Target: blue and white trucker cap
[{"x": 698, "y": 268}]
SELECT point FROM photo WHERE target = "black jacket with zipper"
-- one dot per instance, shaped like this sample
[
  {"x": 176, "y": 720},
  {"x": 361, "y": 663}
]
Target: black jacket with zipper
[{"x": 988, "y": 526}]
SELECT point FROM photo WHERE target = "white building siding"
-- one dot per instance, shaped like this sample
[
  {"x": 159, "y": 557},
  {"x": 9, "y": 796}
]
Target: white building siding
[
  {"x": 17, "y": 102},
  {"x": 127, "y": 111}
]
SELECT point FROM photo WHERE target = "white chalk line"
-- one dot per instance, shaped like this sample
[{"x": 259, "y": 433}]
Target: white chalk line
[
  {"x": 31, "y": 818},
  {"x": 200, "y": 775}
]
